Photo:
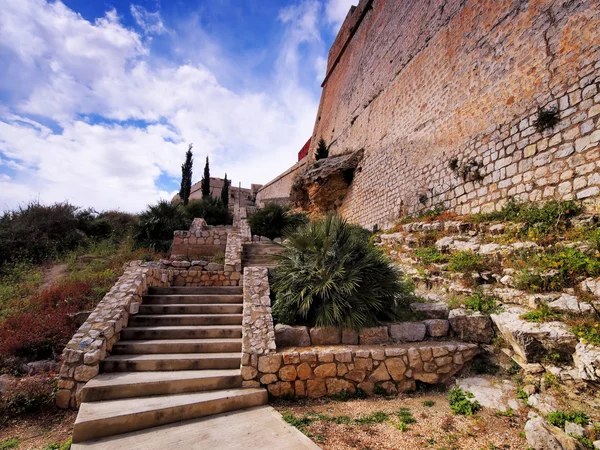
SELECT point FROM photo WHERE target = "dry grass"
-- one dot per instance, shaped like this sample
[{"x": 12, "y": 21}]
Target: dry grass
[
  {"x": 435, "y": 428},
  {"x": 38, "y": 431}
]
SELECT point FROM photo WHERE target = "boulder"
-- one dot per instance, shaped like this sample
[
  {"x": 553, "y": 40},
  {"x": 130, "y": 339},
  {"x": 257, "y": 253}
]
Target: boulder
[
  {"x": 541, "y": 435},
  {"x": 533, "y": 341},
  {"x": 407, "y": 331},
  {"x": 428, "y": 310},
  {"x": 376, "y": 335},
  {"x": 437, "y": 327},
  {"x": 471, "y": 326},
  {"x": 288, "y": 336},
  {"x": 325, "y": 335},
  {"x": 569, "y": 304},
  {"x": 587, "y": 361}
]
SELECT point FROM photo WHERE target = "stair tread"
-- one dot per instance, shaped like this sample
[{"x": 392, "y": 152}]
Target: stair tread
[
  {"x": 123, "y": 407},
  {"x": 192, "y": 305},
  {"x": 175, "y": 316},
  {"x": 173, "y": 356},
  {"x": 124, "y": 378},
  {"x": 184, "y": 327},
  {"x": 180, "y": 341},
  {"x": 92, "y": 411}
]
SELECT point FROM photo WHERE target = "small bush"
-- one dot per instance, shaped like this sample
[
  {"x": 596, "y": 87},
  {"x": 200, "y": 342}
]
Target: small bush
[
  {"x": 461, "y": 403},
  {"x": 9, "y": 443},
  {"x": 430, "y": 255},
  {"x": 559, "y": 418},
  {"x": 588, "y": 332},
  {"x": 157, "y": 223},
  {"x": 428, "y": 403},
  {"x": 28, "y": 394},
  {"x": 274, "y": 220},
  {"x": 211, "y": 209},
  {"x": 406, "y": 416},
  {"x": 541, "y": 315},
  {"x": 329, "y": 274},
  {"x": 482, "y": 303},
  {"x": 466, "y": 262},
  {"x": 65, "y": 446},
  {"x": 546, "y": 118}
]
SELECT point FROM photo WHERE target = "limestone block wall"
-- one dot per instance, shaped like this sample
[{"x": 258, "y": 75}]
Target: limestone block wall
[
  {"x": 201, "y": 241},
  {"x": 419, "y": 84},
  {"x": 95, "y": 338},
  {"x": 278, "y": 189}
]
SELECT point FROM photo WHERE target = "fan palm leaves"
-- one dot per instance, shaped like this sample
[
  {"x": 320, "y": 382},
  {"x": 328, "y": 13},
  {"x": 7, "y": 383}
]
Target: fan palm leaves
[{"x": 329, "y": 274}]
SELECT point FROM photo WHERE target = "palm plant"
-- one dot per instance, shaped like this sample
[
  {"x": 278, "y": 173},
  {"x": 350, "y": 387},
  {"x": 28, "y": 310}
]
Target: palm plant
[
  {"x": 329, "y": 274},
  {"x": 157, "y": 223}
]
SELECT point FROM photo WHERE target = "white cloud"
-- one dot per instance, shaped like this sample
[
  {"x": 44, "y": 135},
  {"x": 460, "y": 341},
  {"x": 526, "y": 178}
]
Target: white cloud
[
  {"x": 84, "y": 76},
  {"x": 150, "y": 22},
  {"x": 337, "y": 10}
]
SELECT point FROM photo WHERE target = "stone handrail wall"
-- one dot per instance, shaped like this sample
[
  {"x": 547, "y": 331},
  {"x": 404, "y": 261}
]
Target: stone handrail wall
[
  {"x": 233, "y": 252},
  {"x": 95, "y": 338},
  {"x": 258, "y": 334}
]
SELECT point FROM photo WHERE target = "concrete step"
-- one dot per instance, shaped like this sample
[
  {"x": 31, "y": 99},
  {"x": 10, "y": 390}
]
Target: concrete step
[
  {"x": 259, "y": 428},
  {"x": 111, "y": 386},
  {"x": 250, "y": 264},
  {"x": 171, "y": 361},
  {"x": 185, "y": 319},
  {"x": 155, "y": 346},
  {"x": 199, "y": 290},
  {"x": 101, "y": 419},
  {"x": 182, "y": 332},
  {"x": 181, "y": 299},
  {"x": 190, "y": 309}
]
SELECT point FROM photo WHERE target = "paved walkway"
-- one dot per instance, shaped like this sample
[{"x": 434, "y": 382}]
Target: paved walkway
[{"x": 260, "y": 428}]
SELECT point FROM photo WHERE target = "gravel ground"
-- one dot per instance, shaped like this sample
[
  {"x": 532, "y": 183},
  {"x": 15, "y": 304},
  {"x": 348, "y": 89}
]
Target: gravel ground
[
  {"x": 436, "y": 427},
  {"x": 37, "y": 431}
]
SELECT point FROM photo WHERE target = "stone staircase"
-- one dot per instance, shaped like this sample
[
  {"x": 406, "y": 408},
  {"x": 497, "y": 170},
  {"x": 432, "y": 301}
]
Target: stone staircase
[
  {"x": 260, "y": 254},
  {"x": 179, "y": 359}
]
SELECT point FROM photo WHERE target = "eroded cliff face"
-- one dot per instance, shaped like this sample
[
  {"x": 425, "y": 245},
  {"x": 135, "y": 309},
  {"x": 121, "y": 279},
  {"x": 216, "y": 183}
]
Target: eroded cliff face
[{"x": 323, "y": 185}]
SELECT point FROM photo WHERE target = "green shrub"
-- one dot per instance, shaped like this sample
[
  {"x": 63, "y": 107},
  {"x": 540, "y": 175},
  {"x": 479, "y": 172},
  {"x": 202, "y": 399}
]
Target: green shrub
[
  {"x": 157, "y": 223},
  {"x": 556, "y": 269},
  {"x": 376, "y": 417},
  {"x": 274, "y": 220},
  {"x": 430, "y": 255},
  {"x": 588, "y": 332},
  {"x": 466, "y": 262},
  {"x": 558, "y": 418},
  {"x": 406, "y": 416},
  {"x": 329, "y": 274},
  {"x": 428, "y": 403},
  {"x": 482, "y": 303},
  {"x": 541, "y": 315},
  {"x": 28, "y": 394},
  {"x": 461, "y": 403},
  {"x": 9, "y": 443},
  {"x": 65, "y": 446},
  {"x": 211, "y": 209}
]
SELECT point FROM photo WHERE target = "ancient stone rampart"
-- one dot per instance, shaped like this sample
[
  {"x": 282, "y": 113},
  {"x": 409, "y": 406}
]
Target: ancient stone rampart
[
  {"x": 278, "y": 189},
  {"x": 443, "y": 95}
]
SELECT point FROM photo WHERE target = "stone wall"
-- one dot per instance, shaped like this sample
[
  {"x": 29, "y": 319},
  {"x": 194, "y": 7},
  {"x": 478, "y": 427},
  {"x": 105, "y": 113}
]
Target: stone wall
[
  {"x": 319, "y": 371},
  {"x": 419, "y": 84},
  {"x": 200, "y": 242},
  {"x": 95, "y": 338},
  {"x": 278, "y": 190}
]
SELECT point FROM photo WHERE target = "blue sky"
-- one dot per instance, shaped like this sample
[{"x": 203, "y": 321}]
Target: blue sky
[{"x": 99, "y": 99}]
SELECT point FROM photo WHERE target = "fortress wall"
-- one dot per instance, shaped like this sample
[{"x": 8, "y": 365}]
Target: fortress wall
[
  {"x": 419, "y": 83},
  {"x": 278, "y": 190}
]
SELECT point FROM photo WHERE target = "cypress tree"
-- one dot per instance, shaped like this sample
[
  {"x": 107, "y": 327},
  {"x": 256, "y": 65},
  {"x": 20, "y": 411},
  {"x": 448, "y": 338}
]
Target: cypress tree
[
  {"x": 206, "y": 181},
  {"x": 186, "y": 176},
  {"x": 322, "y": 150},
  {"x": 225, "y": 191}
]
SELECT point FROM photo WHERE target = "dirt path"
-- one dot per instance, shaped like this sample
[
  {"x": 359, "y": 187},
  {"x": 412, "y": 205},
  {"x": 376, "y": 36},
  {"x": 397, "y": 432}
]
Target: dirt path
[{"x": 52, "y": 274}]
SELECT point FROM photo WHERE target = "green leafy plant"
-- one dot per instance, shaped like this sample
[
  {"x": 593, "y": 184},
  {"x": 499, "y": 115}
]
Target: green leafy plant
[
  {"x": 588, "y": 332},
  {"x": 466, "y": 262},
  {"x": 275, "y": 220},
  {"x": 482, "y": 303},
  {"x": 540, "y": 315},
  {"x": 406, "y": 416},
  {"x": 461, "y": 402},
  {"x": 428, "y": 403},
  {"x": 322, "y": 150},
  {"x": 329, "y": 274},
  {"x": 546, "y": 118},
  {"x": 376, "y": 417},
  {"x": 522, "y": 395},
  {"x": 559, "y": 418},
  {"x": 64, "y": 446},
  {"x": 157, "y": 223},
  {"x": 210, "y": 209},
  {"x": 9, "y": 443},
  {"x": 430, "y": 255}
]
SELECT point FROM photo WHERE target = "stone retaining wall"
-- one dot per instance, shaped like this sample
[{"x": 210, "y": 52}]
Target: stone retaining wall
[
  {"x": 95, "y": 338},
  {"x": 200, "y": 242},
  {"x": 319, "y": 371}
]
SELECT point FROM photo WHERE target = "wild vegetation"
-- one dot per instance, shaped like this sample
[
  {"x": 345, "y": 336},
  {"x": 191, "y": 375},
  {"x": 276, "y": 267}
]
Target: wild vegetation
[
  {"x": 330, "y": 274},
  {"x": 274, "y": 220}
]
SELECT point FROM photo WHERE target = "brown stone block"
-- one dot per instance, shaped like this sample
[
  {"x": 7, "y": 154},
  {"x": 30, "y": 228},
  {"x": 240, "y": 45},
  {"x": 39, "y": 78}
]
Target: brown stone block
[
  {"x": 316, "y": 388},
  {"x": 304, "y": 371},
  {"x": 326, "y": 370}
]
